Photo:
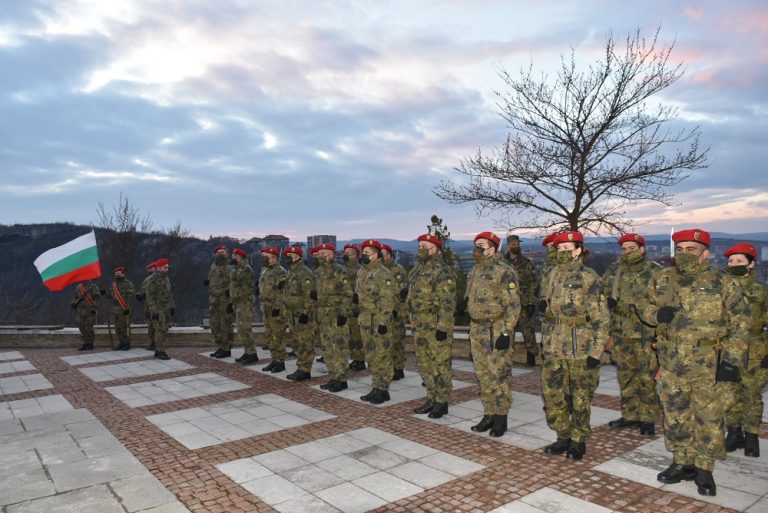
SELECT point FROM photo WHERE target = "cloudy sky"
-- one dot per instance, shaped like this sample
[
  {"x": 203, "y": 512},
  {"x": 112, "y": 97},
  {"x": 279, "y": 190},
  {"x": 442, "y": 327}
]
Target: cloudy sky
[{"x": 244, "y": 118}]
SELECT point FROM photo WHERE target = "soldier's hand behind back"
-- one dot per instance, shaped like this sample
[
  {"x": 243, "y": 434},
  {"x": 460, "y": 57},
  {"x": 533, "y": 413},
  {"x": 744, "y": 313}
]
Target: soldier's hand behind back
[
  {"x": 303, "y": 319},
  {"x": 727, "y": 373},
  {"x": 403, "y": 293},
  {"x": 230, "y": 308},
  {"x": 340, "y": 320},
  {"x": 764, "y": 362},
  {"x": 275, "y": 312},
  {"x": 530, "y": 310},
  {"x": 440, "y": 335},
  {"x": 461, "y": 305},
  {"x": 502, "y": 342},
  {"x": 592, "y": 363},
  {"x": 313, "y": 295},
  {"x": 612, "y": 303},
  {"x": 382, "y": 329},
  {"x": 665, "y": 314},
  {"x": 542, "y": 305}
]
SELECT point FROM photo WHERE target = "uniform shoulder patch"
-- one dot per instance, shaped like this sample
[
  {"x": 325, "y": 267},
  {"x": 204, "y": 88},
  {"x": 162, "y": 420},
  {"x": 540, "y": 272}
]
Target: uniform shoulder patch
[
  {"x": 449, "y": 281},
  {"x": 389, "y": 282},
  {"x": 602, "y": 297},
  {"x": 512, "y": 285}
]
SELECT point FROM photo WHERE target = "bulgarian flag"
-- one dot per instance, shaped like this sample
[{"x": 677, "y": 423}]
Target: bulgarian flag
[{"x": 75, "y": 261}]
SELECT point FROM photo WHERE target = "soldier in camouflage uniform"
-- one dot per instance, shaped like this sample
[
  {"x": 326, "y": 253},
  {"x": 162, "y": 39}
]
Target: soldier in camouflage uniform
[
  {"x": 703, "y": 328},
  {"x": 219, "y": 306},
  {"x": 333, "y": 303},
  {"x": 298, "y": 305},
  {"x": 121, "y": 294},
  {"x": 744, "y": 416},
  {"x": 398, "y": 314},
  {"x": 573, "y": 339},
  {"x": 548, "y": 243},
  {"x": 356, "y": 351},
  {"x": 375, "y": 295},
  {"x": 84, "y": 304},
  {"x": 271, "y": 283},
  {"x": 160, "y": 305},
  {"x": 242, "y": 300},
  {"x": 493, "y": 303},
  {"x": 526, "y": 277},
  {"x": 141, "y": 295},
  {"x": 315, "y": 336},
  {"x": 630, "y": 341},
  {"x": 431, "y": 302}
]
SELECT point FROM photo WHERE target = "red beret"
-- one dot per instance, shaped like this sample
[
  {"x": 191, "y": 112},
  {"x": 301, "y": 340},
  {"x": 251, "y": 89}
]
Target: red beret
[
  {"x": 351, "y": 246},
  {"x": 562, "y": 237},
  {"x": 293, "y": 249},
  {"x": 326, "y": 246},
  {"x": 118, "y": 268},
  {"x": 239, "y": 251},
  {"x": 744, "y": 248},
  {"x": 161, "y": 262},
  {"x": 151, "y": 266},
  {"x": 219, "y": 247},
  {"x": 428, "y": 237},
  {"x": 372, "y": 243},
  {"x": 387, "y": 247},
  {"x": 270, "y": 250},
  {"x": 632, "y": 237},
  {"x": 313, "y": 250},
  {"x": 692, "y": 235},
  {"x": 549, "y": 239},
  {"x": 488, "y": 236}
]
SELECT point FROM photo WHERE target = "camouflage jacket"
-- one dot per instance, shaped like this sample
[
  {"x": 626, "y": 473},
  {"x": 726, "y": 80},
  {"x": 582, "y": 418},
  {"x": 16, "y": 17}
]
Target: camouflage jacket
[
  {"x": 576, "y": 319},
  {"x": 352, "y": 269},
  {"x": 375, "y": 287},
  {"x": 432, "y": 294},
  {"x": 269, "y": 284},
  {"x": 218, "y": 283},
  {"x": 159, "y": 298},
  {"x": 526, "y": 278},
  {"x": 757, "y": 298},
  {"x": 299, "y": 282},
  {"x": 143, "y": 290},
  {"x": 124, "y": 289},
  {"x": 492, "y": 292},
  {"x": 334, "y": 289},
  {"x": 713, "y": 314},
  {"x": 401, "y": 281},
  {"x": 626, "y": 284},
  {"x": 241, "y": 283},
  {"x": 86, "y": 294}
]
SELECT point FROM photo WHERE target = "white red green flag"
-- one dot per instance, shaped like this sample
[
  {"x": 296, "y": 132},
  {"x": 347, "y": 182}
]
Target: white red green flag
[{"x": 75, "y": 261}]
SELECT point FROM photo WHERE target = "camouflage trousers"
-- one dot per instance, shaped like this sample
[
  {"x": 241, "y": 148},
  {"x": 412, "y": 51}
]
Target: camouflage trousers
[
  {"x": 636, "y": 367},
  {"x": 244, "y": 322},
  {"x": 493, "y": 367},
  {"x": 85, "y": 322},
  {"x": 122, "y": 324},
  {"x": 150, "y": 327},
  {"x": 398, "y": 340},
  {"x": 525, "y": 327},
  {"x": 334, "y": 341},
  {"x": 378, "y": 349},
  {"x": 694, "y": 417},
  {"x": 746, "y": 408},
  {"x": 303, "y": 343},
  {"x": 356, "y": 350},
  {"x": 221, "y": 324},
  {"x": 567, "y": 387},
  {"x": 274, "y": 332},
  {"x": 160, "y": 324},
  {"x": 434, "y": 361}
]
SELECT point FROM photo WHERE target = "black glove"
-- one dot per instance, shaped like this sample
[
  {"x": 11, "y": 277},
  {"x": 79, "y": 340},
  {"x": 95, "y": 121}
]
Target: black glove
[
  {"x": 542, "y": 306},
  {"x": 313, "y": 295},
  {"x": 126, "y": 311},
  {"x": 275, "y": 312},
  {"x": 257, "y": 292},
  {"x": 403, "y": 293},
  {"x": 103, "y": 292},
  {"x": 530, "y": 310},
  {"x": 592, "y": 363},
  {"x": 612, "y": 303},
  {"x": 226, "y": 293},
  {"x": 74, "y": 305},
  {"x": 303, "y": 319},
  {"x": 764, "y": 362},
  {"x": 461, "y": 305},
  {"x": 440, "y": 335},
  {"x": 727, "y": 373},
  {"x": 140, "y": 297},
  {"x": 665, "y": 314},
  {"x": 340, "y": 320},
  {"x": 281, "y": 285},
  {"x": 230, "y": 308},
  {"x": 394, "y": 314},
  {"x": 355, "y": 299},
  {"x": 206, "y": 282},
  {"x": 155, "y": 317},
  {"x": 173, "y": 310},
  {"x": 382, "y": 329},
  {"x": 355, "y": 312},
  {"x": 93, "y": 312},
  {"x": 502, "y": 342}
]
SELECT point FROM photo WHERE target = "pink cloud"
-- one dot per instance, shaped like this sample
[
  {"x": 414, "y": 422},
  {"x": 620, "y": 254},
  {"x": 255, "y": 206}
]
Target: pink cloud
[{"x": 694, "y": 13}]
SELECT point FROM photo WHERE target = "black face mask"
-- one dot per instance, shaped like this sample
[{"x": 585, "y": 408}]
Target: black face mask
[
  {"x": 221, "y": 259},
  {"x": 345, "y": 257},
  {"x": 737, "y": 270},
  {"x": 265, "y": 261},
  {"x": 365, "y": 259},
  {"x": 118, "y": 278}
]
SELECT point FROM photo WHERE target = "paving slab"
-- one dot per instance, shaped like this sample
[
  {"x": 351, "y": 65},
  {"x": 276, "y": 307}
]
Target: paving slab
[{"x": 174, "y": 389}]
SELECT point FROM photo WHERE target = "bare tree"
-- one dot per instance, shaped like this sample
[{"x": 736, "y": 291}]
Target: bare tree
[
  {"x": 123, "y": 228},
  {"x": 583, "y": 146}
]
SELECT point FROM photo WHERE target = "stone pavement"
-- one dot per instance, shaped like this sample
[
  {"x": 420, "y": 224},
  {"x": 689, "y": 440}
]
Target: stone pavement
[{"x": 114, "y": 431}]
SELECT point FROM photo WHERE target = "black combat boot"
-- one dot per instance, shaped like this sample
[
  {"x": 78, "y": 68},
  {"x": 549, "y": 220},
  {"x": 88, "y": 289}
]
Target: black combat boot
[
  {"x": 647, "y": 428},
  {"x": 277, "y": 367},
  {"x": 499, "y": 425},
  {"x": 126, "y": 347},
  {"x": 248, "y": 359},
  {"x": 705, "y": 482},
  {"x": 338, "y": 386},
  {"x": 367, "y": 397},
  {"x": 161, "y": 355},
  {"x": 269, "y": 367},
  {"x": 87, "y": 346},
  {"x": 438, "y": 411},
  {"x": 398, "y": 374},
  {"x": 622, "y": 423},
  {"x": 484, "y": 425},
  {"x": 576, "y": 451},
  {"x": 357, "y": 365},
  {"x": 751, "y": 445},
  {"x": 676, "y": 473},
  {"x": 221, "y": 353},
  {"x": 558, "y": 447},
  {"x": 734, "y": 439},
  {"x": 327, "y": 384},
  {"x": 299, "y": 375},
  {"x": 530, "y": 359},
  {"x": 425, "y": 408},
  {"x": 379, "y": 397},
  {"x": 320, "y": 359}
]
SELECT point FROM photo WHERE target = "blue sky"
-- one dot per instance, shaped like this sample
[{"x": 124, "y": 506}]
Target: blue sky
[{"x": 245, "y": 118}]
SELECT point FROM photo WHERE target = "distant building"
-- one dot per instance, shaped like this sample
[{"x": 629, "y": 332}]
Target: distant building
[
  {"x": 276, "y": 241},
  {"x": 316, "y": 240}
]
